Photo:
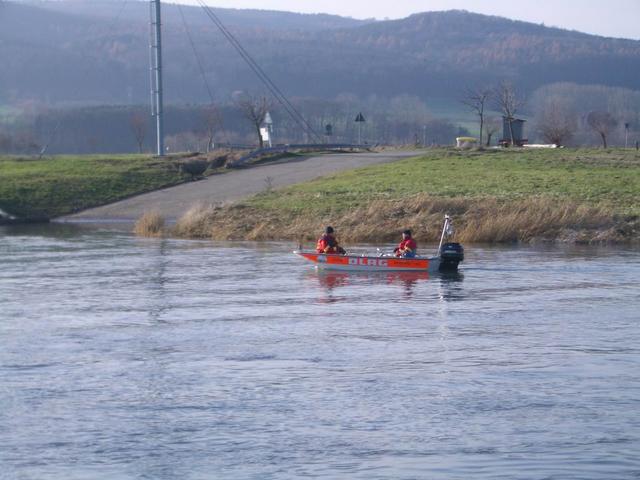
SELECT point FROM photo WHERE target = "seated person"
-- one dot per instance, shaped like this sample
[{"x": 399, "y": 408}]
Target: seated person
[
  {"x": 407, "y": 247},
  {"x": 327, "y": 243}
]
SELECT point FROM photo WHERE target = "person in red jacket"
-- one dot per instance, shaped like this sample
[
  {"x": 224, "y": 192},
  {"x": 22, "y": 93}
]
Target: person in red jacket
[
  {"x": 327, "y": 243},
  {"x": 407, "y": 247}
]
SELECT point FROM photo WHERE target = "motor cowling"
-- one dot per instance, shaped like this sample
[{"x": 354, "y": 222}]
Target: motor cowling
[{"x": 451, "y": 254}]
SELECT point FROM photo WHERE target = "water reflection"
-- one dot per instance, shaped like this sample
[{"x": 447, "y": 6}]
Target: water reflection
[
  {"x": 158, "y": 280},
  {"x": 451, "y": 286},
  {"x": 331, "y": 281}
]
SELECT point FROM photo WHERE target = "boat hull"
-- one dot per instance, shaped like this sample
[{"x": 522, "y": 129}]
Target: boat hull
[{"x": 355, "y": 263}]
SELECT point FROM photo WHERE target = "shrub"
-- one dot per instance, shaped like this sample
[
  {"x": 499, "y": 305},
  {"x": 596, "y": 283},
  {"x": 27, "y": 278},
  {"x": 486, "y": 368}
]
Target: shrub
[
  {"x": 219, "y": 161},
  {"x": 195, "y": 168}
]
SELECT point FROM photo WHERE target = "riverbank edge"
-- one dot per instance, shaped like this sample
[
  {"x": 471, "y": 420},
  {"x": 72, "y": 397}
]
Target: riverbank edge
[{"x": 488, "y": 220}]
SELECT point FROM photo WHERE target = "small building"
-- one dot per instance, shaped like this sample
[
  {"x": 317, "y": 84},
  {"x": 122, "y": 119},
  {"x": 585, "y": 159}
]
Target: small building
[{"x": 517, "y": 125}]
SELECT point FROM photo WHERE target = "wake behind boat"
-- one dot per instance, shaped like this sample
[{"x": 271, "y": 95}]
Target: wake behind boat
[{"x": 449, "y": 256}]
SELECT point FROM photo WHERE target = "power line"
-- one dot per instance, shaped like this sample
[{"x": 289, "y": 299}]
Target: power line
[
  {"x": 202, "y": 72},
  {"x": 195, "y": 53},
  {"x": 116, "y": 19},
  {"x": 258, "y": 70},
  {"x": 266, "y": 80},
  {"x": 122, "y": 7}
]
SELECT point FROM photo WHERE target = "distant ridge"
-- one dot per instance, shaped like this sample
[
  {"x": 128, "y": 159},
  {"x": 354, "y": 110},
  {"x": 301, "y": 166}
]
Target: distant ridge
[{"x": 69, "y": 52}]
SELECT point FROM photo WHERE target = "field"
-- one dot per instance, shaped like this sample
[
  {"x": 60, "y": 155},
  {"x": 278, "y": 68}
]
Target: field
[
  {"x": 39, "y": 189},
  {"x": 589, "y": 176},
  {"x": 568, "y": 195}
]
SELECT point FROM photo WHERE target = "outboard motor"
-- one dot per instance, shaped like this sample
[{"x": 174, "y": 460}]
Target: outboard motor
[{"x": 451, "y": 254}]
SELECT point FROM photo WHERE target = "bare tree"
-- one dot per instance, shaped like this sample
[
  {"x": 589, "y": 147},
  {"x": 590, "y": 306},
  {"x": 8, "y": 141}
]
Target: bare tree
[
  {"x": 602, "y": 123},
  {"x": 556, "y": 120},
  {"x": 138, "y": 123},
  {"x": 509, "y": 103},
  {"x": 477, "y": 100},
  {"x": 211, "y": 123},
  {"x": 254, "y": 109}
]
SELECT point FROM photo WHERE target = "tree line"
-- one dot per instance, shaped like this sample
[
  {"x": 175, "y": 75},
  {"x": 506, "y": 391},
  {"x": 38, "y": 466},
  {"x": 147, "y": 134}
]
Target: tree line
[
  {"x": 119, "y": 129},
  {"x": 561, "y": 113}
]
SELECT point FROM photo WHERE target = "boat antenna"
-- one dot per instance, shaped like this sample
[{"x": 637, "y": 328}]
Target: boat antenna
[{"x": 445, "y": 229}]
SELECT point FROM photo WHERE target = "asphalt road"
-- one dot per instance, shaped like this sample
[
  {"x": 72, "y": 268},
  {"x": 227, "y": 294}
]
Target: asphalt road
[{"x": 174, "y": 201}]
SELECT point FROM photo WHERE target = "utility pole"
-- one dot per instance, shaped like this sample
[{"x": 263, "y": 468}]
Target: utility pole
[{"x": 155, "y": 49}]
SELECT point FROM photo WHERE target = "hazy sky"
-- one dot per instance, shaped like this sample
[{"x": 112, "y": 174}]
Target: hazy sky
[{"x": 613, "y": 18}]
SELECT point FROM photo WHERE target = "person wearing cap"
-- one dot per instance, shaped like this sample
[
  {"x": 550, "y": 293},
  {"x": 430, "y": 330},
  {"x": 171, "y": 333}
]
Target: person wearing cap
[
  {"x": 407, "y": 247},
  {"x": 327, "y": 243}
]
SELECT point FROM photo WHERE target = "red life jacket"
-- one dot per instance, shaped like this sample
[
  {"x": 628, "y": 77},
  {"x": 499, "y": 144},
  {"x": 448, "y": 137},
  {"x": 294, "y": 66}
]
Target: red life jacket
[
  {"x": 408, "y": 245},
  {"x": 327, "y": 244}
]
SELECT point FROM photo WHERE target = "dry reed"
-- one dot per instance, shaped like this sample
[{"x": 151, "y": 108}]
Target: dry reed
[
  {"x": 150, "y": 224},
  {"x": 197, "y": 222},
  {"x": 477, "y": 220}
]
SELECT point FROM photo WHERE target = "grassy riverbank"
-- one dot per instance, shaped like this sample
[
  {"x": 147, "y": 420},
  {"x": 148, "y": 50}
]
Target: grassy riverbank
[
  {"x": 495, "y": 196},
  {"x": 54, "y": 186}
]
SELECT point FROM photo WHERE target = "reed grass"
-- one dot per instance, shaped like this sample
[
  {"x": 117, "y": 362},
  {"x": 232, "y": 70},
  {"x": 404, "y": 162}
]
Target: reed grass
[
  {"x": 197, "y": 222},
  {"x": 481, "y": 220},
  {"x": 150, "y": 224}
]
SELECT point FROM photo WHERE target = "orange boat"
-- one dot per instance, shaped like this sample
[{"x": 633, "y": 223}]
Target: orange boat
[
  {"x": 447, "y": 260},
  {"x": 371, "y": 264}
]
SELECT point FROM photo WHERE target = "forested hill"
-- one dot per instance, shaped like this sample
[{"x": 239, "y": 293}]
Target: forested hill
[
  {"x": 459, "y": 38},
  {"x": 75, "y": 52},
  {"x": 138, "y": 11}
]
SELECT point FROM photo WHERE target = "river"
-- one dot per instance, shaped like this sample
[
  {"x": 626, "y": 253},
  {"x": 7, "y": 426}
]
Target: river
[{"x": 129, "y": 358}]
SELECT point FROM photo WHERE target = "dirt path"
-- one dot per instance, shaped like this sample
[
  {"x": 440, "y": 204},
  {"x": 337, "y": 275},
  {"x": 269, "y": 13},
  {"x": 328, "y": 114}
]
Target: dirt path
[{"x": 173, "y": 202}]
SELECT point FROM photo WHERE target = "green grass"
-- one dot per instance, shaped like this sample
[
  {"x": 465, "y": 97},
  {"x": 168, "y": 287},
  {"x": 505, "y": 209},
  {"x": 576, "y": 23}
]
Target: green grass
[
  {"x": 589, "y": 176},
  {"x": 64, "y": 184}
]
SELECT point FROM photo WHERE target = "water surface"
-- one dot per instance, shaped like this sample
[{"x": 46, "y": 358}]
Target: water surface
[{"x": 136, "y": 358}]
